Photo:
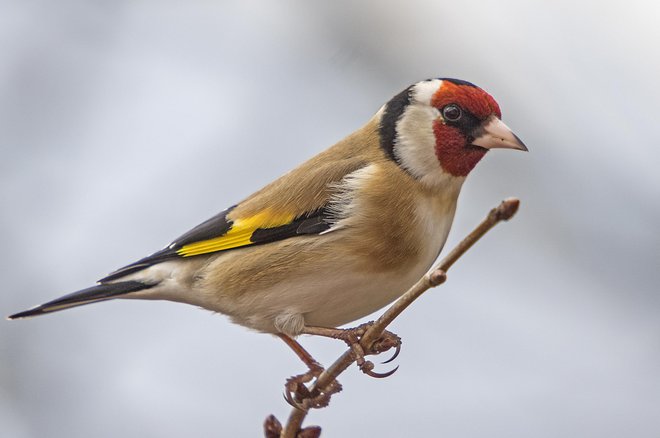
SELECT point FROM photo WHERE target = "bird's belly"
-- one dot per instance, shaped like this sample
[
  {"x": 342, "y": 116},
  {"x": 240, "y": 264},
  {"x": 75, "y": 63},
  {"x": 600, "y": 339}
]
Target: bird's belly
[
  {"x": 327, "y": 298},
  {"x": 356, "y": 295}
]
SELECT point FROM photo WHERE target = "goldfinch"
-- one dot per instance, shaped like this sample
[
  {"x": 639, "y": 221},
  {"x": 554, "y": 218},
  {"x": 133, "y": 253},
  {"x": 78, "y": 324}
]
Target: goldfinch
[{"x": 337, "y": 238}]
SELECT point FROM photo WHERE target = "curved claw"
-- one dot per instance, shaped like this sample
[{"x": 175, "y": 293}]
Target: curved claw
[
  {"x": 380, "y": 375},
  {"x": 395, "y": 355},
  {"x": 291, "y": 401}
]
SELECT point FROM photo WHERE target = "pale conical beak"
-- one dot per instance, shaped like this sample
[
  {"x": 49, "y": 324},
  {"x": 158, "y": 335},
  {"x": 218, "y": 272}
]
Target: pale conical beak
[{"x": 493, "y": 133}]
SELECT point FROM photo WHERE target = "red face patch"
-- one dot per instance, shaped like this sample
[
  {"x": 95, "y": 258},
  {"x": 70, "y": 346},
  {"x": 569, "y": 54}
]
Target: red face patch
[
  {"x": 454, "y": 155},
  {"x": 472, "y": 99}
]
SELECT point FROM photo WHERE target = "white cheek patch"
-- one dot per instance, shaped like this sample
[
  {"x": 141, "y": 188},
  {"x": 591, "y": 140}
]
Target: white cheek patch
[
  {"x": 415, "y": 141},
  {"x": 415, "y": 145}
]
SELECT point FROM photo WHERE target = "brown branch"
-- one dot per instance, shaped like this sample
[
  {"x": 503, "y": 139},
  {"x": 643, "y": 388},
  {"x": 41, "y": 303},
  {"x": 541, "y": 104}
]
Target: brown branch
[{"x": 433, "y": 278}]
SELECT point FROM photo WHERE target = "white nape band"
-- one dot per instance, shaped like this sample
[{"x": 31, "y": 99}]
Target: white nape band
[{"x": 423, "y": 92}]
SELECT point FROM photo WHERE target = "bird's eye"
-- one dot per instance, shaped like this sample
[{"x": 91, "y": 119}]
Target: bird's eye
[{"x": 452, "y": 113}]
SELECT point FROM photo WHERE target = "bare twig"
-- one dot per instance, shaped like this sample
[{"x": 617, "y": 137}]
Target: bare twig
[{"x": 433, "y": 278}]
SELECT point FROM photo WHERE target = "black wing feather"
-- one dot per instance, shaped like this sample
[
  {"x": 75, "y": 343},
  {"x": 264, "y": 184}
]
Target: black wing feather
[
  {"x": 312, "y": 223},
  {"x": 216, "y": 226}
]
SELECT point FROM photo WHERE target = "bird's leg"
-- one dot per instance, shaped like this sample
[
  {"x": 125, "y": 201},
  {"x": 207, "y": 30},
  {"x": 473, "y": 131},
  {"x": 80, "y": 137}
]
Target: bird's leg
[
  {"x": 297, "y": 394},
  {"x": 352, "y": 337},
  {"x": 303, "y": 354}
]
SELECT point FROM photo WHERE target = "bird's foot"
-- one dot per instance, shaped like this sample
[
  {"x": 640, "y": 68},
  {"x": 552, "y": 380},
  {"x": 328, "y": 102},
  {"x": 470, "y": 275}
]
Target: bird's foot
[
  {"x": 299, "y": 395},
  {"x": 352, "y": 338}
]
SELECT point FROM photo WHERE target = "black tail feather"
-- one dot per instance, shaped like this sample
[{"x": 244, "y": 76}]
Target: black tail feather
[{"x": 100, "y": 292}]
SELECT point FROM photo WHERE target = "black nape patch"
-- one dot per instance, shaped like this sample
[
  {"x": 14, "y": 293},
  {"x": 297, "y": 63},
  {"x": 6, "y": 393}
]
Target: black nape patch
[
  {"x": 393, "y": 111},
  {"x": 459, "y": 82}
]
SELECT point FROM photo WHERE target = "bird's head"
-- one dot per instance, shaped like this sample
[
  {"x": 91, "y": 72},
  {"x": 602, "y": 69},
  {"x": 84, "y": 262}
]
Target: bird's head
[{"x": 440, "y": 128}]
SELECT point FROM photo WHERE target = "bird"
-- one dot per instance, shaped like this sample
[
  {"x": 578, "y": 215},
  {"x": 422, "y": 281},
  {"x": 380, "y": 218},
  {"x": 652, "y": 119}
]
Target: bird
[{"x": 342, "y": 235}]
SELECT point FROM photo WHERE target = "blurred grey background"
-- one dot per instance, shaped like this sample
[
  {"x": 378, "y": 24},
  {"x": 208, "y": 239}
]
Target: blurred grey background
[{"x": 125, "y": 123}]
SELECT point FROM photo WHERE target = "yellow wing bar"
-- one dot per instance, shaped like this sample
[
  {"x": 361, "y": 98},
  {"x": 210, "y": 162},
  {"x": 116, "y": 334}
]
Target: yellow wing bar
[{"x": 238, "y": 235}]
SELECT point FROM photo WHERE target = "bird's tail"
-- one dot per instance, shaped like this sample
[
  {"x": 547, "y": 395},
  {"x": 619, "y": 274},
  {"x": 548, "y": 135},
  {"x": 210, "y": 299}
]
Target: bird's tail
[{"x": 100, "y": 292}]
